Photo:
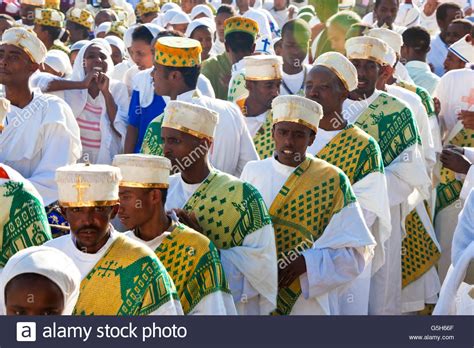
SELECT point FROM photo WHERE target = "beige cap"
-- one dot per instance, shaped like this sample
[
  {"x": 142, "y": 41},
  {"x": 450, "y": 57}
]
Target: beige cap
[
  {"x": 390, "y": 37},
  {"x": 263, "y": 67},
  {"x": 365, "y": 47},
  {"x": 143, "y": 171},
  {"x": 4, "y": 109},
  {"x": 341, "y": 66},
  {"x": 27, "y": 41},
  {"x": 463, "y": 49},
  {"x": 88, "y": 185},
  {"x": 292, "y": 108},
  {"x": 190, "y": 118}
]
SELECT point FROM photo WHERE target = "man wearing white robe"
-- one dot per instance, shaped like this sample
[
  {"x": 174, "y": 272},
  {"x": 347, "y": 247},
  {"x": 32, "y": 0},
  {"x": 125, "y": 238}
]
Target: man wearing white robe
[
  {"x": 330, "y": 259},
  {"x": 404, "y": 177},
  {"x": 40, "y": 132},
  {"x": 230, "y": 212}
]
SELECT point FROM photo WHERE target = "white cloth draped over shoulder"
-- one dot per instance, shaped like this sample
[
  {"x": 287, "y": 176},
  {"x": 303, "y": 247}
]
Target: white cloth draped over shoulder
[{"x": 111, "y": 142}]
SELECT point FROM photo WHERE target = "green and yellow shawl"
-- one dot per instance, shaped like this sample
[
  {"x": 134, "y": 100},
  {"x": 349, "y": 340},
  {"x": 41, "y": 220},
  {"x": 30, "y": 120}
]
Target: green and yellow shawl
[
  {"x": 194, "y": 264},
  {"x": 355, "y": 152},
  {"x": 301, "y": 211},
  {"x": 262, "y": 140},
  {"x": 128, "y": 280},
  {"x": 215, "y": 68},
  {"x": 425, "y": 97},
  {"x": 228, "y": 209},
  {"x": 23, "y": 220}
]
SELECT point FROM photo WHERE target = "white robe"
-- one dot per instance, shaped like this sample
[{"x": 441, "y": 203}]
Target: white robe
[
  {"x": 251, "y": 269},
  {"x": 455, "y": 92},
  {"x": 334, "y": 261},
  {"x": 371, "y": 193},
  {"x": 406, "y": 184},
  {"x": 86, "y": 262},
  {"x": 233, "y": 147},
  {"x": 38, "y": 139}
]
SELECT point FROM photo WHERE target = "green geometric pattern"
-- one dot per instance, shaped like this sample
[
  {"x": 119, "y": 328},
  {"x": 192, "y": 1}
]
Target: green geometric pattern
[
  {"x": 419, "y": 251},
  {"x": 426, "y": 98},
  {"x": 354, "y": 152},
  {"x": 228, "y": 209},
  {"x": 391, "y": 124},
  {"x": 152, "y": 144}
]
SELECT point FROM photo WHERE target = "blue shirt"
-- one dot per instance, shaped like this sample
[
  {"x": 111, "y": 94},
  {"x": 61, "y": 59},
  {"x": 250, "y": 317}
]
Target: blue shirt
[{"x": 140, "y": 117}]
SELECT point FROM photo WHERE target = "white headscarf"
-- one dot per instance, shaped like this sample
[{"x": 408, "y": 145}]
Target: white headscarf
[
  {"x": 59, "y": 61},
  {"x": 117, "y": 42},
  {"x": 102, "y": 28},
  {"x": 48, "y": 262},
  {"x": 204, "y": 21},
  {"x": 76, "y": 46},
  {"x": 201, "y": 9},
  {"x": 77, "y": 98}
]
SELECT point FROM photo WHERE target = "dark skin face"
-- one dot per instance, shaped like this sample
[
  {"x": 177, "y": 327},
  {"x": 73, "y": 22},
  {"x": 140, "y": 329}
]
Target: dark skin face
[
  {"x": 104, "y": 16},
  {"x": 180, "y": 27},
  {"x": 386, "y": 12},
  {"x": 163, "y": 81},
  {"x": 90, "y": 226},
  {"x": 455, "y": 32},
  {"x": 337, "y": 36},
  {"x": 220, "y": 19},
  {"x": 148, "y": 17},
  {"x": 264, "y": 91},
  {"x": 451, "y": 14},
  {"x": 33, "y": 294},
  {"x": 291, "y": 141},
  {"x": 177, "y": 146},
  {"x": 15, "y": 65},
  {"x": 4, "y": 25},
  {"x": 42, "y": 34},
  {"x": 452, "y": 62},
  {"x": 136, "y": 205},
  {"x": 368, "y": 73},
  {"x": 116, "y": 55},
  {"x": 324, "y": 87},
  {"x": 294, "y": 50},
  {"x": 76, "y": 34},
  {"x": 204, "y": 36}
]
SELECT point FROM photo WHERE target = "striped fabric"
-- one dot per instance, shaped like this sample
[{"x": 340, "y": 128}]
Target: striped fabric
[{"x": 89, "y": 124}]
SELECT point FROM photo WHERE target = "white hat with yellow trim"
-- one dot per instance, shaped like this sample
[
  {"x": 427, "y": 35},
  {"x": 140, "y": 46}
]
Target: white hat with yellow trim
[
  {"x": 190, "y": 118},
  {"x": 143, "y": 171},
  {"x": 292, "y": 108},
  {"x": 341, "y": 66},
  {"x": 366, "y": 47},
  {"x": 27, "y": 41},
  {"x": 88, "y": 185},
  {"x": 390, "y": 37},
  {"x": 4, "y": 109},
  {"x": 263, "y": 67}
]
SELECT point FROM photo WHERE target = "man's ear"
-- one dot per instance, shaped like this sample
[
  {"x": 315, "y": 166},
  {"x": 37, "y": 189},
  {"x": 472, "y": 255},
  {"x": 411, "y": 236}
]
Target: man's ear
[
  {"x": 254, "y": 46},
  {"x": 36, "y": 66},
  {"x": 114, "y": 211},
  {"x": 311, "y": 138},
  {"x": 62, "y": 210},
  {"x": 227, "y": 49}
]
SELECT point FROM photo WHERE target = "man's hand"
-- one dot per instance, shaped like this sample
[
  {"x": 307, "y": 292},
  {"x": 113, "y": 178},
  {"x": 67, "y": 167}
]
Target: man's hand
[
  {"x": 467, "y": 118},
  {"x": 455, "y": 161},
  {"x": 189, "y": 219},
  {"x": 287, "y": 275},
  {"x": 437, "y": 105},
  {"x": 430, "y": 7}
]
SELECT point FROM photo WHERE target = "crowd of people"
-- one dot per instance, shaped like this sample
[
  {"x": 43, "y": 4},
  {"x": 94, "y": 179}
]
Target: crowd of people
[{"x": 250, "y": 157}]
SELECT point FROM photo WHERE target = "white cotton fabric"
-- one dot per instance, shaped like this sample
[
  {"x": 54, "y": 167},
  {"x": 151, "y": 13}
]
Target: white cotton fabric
[
  {"x": 59, "y": 61},
  {"x": 48, "y": 262}
]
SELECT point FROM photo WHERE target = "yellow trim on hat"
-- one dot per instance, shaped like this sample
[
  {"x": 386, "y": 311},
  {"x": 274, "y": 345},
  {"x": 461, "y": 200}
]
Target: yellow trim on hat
[
  {"x": 53, "y": 4},
  {"x": 242, "y": 25},
  {"x": 177, "y": 52},
  {"x": 297, "y": 120},
  {"x": 186, "y": 130},
  {"x": 88, "y": 204},
  {"x": 262, "y": 78},
  {"x": 143, "y": 185}
]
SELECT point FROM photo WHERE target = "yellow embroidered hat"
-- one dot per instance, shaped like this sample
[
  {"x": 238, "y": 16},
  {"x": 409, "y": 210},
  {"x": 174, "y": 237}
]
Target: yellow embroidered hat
[
  {"x": 241, "y": 24},
  {"x": 118, "y": 29},
  {"x": 177, "y": 52},
  {"x": 54, "y": 4},
  {"x": 49, "y": 17},
  {"x": 368, "y": 48},
  {"x": 143, "y": 171},
  {"x": 293, "y": 108},
  {"x": 81, "y": 17},
  {"x": 27, "y": 41},
  {"x": 147, "y": 6},
  {"x": 122, "y": 15},
  {"x": 88, "y": 185},
  {"x": 191, "y": 119}
]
